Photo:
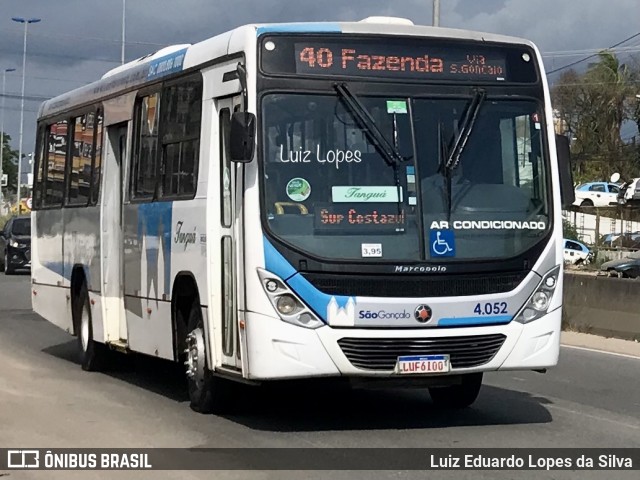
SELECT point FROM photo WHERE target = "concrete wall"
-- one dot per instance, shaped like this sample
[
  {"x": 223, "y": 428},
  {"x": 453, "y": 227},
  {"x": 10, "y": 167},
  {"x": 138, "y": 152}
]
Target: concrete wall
[
  {"x": 602, "y": 305},
  {"x": 585, "y": 224},
  {"x": 605, "y": 255}
]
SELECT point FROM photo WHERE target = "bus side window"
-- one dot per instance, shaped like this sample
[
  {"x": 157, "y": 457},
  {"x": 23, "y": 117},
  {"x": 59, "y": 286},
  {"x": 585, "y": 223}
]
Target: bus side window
[
  {"x": 97, "y": 160},
  {"x": 225, "y": 168},
  {"x": 41, "y": 160},
  {"x": 180, "y": 120},
  {"x": 144, "y": 165},
  {"x": 55, "y": 165},
  {"x": 79, "y": 162}
]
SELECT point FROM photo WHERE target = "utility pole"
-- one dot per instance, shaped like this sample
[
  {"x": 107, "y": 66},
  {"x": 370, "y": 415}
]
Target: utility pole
[
  {"x": 436, "y": 13},
  {"x": 26, "y": 23},
  {"x": 4, "y": 82},
  {"x": 124, "y": 19}
]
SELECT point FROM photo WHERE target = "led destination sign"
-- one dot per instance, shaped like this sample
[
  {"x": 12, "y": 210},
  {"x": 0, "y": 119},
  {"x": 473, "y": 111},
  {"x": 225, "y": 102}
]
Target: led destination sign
[
  {"x": 382, "y": 60},
  {"x": 379, "y": 218},
  {"x": 415, "y": 59}
]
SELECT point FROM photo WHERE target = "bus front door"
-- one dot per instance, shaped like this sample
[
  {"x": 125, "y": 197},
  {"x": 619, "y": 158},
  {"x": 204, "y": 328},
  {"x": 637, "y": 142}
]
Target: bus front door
[
  {"x": 112, "y": 238},
  {"x": 229, "y": 301}
]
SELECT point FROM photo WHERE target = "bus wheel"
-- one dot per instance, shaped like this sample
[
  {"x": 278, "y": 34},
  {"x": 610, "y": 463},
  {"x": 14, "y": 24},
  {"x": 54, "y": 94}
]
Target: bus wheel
[
  {"x": 207, "y": 393},
  {"x": 458, "y": 396},
  {"x": 93, "y": 355}
]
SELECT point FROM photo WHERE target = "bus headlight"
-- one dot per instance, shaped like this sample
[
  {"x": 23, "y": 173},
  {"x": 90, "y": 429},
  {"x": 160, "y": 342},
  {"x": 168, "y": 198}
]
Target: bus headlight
[
  {"x": 540, "y": 299},
  {"x": 290, "y": 308},
  {"x": 286, "y": 304}
]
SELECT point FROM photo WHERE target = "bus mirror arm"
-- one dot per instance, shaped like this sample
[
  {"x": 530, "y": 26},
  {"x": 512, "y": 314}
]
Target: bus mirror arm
[
  {"x": 242, "y": 77},
  {"x": 567, "y": 192},
  {"x": 242, "y": 137}
]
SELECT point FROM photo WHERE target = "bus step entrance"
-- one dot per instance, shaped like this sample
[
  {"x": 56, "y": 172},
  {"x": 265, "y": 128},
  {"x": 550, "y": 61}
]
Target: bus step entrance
[{"x": 119, "y": 345}]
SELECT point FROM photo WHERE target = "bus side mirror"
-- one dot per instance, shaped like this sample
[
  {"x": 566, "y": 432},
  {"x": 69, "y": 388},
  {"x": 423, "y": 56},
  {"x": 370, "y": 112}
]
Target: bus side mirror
[
  {"x": 567, "y": 193},
  {"x": 243, "y": 137}
]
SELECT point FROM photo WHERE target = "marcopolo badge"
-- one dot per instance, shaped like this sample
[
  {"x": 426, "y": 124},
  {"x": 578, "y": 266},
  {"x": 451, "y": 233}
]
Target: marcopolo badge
[{"x": 298, "y": 189}]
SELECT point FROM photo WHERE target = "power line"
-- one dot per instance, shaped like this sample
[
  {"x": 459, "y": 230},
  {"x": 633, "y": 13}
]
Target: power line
[
  {"x": 70, "y": 57},
  {"x": 593, "y": 55},
  {"x": 575, "y": 53},
  {"x": 15, "y": 109},
  {"x": 99, "y": 39},
  {"x": 34, "y": 98}
]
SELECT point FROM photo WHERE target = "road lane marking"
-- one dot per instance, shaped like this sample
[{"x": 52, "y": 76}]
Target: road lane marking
[
  {"x": 593, "y": 417},
  {"x": 615, "y": 354}
]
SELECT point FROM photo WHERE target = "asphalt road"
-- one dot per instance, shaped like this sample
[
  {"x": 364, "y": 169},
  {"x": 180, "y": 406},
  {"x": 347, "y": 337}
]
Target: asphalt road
[{"x": 46, "y": 401}]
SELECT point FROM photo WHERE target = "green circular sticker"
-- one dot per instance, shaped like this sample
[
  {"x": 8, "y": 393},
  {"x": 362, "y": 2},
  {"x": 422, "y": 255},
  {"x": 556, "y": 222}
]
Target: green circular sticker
[{"x": 298, "y": 189}]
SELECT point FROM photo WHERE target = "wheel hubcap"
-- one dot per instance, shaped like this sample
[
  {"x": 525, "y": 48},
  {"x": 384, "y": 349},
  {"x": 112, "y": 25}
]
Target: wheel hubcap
[
  {"x": 195, "y": 356},
  {"x": 84, "y": 329}
]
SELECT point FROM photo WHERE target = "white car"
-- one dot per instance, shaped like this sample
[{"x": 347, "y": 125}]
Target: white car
[
  {"x": 597, "y": 194},
  {"x": 576, "y": 252}
]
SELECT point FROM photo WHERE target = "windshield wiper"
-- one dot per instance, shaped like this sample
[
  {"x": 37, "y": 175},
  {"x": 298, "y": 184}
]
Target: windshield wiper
[
  {"x": 468, "y": 122},
  {"x": 389, "y": 152},
  {"x": 453, "y": 159}
]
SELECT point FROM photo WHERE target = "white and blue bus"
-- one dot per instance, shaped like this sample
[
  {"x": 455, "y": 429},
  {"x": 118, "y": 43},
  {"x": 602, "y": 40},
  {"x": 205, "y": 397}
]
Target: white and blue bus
[{"x": 372, "y": 200}]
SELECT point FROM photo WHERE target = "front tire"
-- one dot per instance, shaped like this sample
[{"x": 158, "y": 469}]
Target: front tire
[
  {"x": 93, "y": 356},
  {"x": 587, "y": 203},
  {"x": 8, "y": 269},
  {"x": 458, "y": 396},
  {"x": 207, "y": 392}
]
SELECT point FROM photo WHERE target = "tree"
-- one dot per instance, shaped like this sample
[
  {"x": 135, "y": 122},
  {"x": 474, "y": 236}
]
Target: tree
[
  {"x": 10, "y": 164},
  {"x": 594, "y": 105},
  {"x": 569, "y": 230}
]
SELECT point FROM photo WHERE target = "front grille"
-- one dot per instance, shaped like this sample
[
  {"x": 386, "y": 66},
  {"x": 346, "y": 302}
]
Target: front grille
[
  {"x": 415, "y": 286},
  {"x": 382, "y": 353}
]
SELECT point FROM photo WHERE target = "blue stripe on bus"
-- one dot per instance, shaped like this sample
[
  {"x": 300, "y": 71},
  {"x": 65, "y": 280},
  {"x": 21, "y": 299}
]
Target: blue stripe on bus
[
  {"x": 300, "y": 28},
  {"x": 166, "y": 65},
  {"x": 314, "y": 298},
  {"x": 317, "y": 300},
  {"x": 66, "y": 270},
  {"x": 276, "y": 263},
  {"x": 155, "y": 219},
  {"x": 468, "y": 321}
]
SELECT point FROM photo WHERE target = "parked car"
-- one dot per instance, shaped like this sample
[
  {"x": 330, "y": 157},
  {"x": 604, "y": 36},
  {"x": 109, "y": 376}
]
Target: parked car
[
  {"x": 628, "y": 267},
  {"x": 621, "y": 240},
  {"x": 596, "y": 194},
  {"x": 576, "y": 253},
  {"x": 15, "y": 245}
]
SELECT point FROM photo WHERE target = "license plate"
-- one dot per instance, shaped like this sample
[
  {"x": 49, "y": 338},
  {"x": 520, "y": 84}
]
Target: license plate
[{"x": 423, "y": 365}]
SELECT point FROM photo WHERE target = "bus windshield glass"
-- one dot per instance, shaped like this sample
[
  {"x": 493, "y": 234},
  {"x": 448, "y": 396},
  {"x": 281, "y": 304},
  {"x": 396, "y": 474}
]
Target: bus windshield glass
[{"x": 331, "y": 192}]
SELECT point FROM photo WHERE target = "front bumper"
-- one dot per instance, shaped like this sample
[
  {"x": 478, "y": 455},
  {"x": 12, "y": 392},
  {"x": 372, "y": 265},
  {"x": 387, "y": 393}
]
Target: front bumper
[
  {"x": 19, "y": 258},
  {"x": 278, "y": 350}
]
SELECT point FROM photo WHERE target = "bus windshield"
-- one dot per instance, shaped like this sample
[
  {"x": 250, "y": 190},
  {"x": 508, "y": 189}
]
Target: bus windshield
[{"x": 331, "y": 192}]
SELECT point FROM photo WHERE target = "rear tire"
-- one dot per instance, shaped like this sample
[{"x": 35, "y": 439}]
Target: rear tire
[
  {"x": 458, "y": 396},
  {"x": 93, "y": 356},
  {"x": 207, "y": 392}
]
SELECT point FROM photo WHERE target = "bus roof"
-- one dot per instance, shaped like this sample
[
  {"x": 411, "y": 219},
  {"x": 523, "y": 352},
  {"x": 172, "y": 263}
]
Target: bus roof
[{"x": 175, "y": 58}]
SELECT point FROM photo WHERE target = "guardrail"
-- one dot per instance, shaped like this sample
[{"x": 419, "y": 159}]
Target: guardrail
[{"x": 602, "y": 305}]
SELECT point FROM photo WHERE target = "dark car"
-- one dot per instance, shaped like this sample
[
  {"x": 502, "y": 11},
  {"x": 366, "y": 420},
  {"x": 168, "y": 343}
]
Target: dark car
[
  {"x": 15, "y": 245},
  {"x": 628, "y": 267}
]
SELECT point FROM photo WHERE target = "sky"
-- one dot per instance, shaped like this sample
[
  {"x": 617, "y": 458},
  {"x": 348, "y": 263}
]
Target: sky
[{"x": 79, "y": 40}]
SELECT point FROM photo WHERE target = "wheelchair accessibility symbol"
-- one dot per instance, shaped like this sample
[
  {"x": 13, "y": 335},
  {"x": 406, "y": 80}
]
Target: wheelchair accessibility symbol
[{"x": 442, "y": 243}]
